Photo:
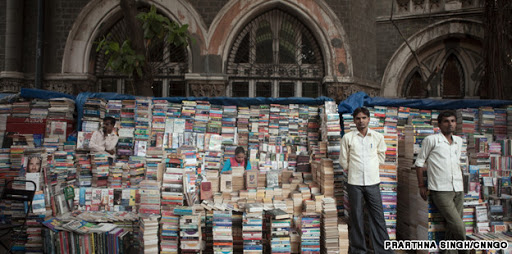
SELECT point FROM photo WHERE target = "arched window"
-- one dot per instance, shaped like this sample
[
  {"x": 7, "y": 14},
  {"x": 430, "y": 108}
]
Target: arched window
[
  {"x": 275, "y": 55},
  {"x": 415, "y": 87},
  {"x": 168, "y": 65},
  {"x": 452, "y": 78}
]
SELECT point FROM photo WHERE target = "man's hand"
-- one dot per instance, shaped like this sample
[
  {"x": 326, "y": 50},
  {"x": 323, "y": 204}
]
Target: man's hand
[
  {"x": 111, "y": 152},
  {"x": 424, "y": 192}
]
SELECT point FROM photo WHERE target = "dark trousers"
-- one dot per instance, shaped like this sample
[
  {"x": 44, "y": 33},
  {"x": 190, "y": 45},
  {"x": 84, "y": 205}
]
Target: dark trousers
[
  {"x": 451, "y": 205},
  {"x": 378, "y": 232}
]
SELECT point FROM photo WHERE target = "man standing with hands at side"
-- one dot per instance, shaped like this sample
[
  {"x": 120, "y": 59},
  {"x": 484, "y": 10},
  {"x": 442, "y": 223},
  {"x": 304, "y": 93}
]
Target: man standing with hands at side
[
  {"x": 104, "y": 141},
  {"x": 441, "y": 152},
  {"x": 361, "y": 152}
]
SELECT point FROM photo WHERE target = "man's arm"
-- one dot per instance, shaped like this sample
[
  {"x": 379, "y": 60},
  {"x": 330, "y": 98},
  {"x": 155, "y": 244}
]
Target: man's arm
[
  {"x": 381, "y": 149},
  {"x": 344, "y": 150},
  {"x": 111, "y": 142},
  {"x": 426, "y": 147},
  {"x": 421, "y": 185},
  {"x": 95, "y": 143}
]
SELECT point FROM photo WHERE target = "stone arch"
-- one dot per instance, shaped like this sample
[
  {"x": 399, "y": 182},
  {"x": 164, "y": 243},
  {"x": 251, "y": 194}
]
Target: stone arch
[
  {"x": 88, "y": 26},
  {"x": 316, "y": 15},
  {"x": 400, "y": 63}
]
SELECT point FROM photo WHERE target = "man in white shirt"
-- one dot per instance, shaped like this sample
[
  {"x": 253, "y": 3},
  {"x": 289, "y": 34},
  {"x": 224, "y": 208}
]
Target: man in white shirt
[
  {"x": 441, "y": 153},
  {"x": 361, "y": 152},
  {"x": 104, "y": 141}
]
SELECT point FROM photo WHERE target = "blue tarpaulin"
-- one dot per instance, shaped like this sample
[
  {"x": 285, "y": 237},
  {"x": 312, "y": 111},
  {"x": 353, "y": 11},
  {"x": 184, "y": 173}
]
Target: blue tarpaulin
[
  {"x": 32, "y": 93},
  {"x": 361, "y": 99},
  {"x": 227, "y": 101}
]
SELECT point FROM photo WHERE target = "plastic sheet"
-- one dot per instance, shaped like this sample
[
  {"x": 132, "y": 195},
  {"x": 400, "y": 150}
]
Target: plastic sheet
[{"x": 361, "y": 99}]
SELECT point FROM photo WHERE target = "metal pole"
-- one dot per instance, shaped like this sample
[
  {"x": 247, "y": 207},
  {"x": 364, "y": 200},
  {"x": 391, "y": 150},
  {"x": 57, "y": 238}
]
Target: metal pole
[{"x": 39, "y": 44}]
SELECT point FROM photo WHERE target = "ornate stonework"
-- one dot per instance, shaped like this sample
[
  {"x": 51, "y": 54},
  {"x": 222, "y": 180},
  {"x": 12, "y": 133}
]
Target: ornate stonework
[
  {"x": 12, "y": 85},
  {"x": 340, "y": 91},
  {"x": 210, "y": 89},
  {"x": 59, "y": 86}
]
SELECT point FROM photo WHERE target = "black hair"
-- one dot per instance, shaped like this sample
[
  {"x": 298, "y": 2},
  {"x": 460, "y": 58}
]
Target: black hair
[
  {"x": 361, "y": 110},
  {"x": 241, "y": 150},
  {"x": 444, "y": 114},
  {"x": 111, "y": 119}
]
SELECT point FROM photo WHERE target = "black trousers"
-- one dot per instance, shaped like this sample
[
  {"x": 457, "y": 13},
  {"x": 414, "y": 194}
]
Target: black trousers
[{"x": 378, "y": 233}]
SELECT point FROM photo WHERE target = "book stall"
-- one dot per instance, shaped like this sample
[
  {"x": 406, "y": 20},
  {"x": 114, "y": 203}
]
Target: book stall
[
  {"x": 164, "y": 193},
  {"x": 486, "y": 130}
]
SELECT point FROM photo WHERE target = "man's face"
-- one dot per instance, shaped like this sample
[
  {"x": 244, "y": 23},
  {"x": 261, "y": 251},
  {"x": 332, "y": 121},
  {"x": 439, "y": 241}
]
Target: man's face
[
  {"x": 361, "y": 120},
  {"x": 108, "y": 126},
  {"x": 448, "y": 125}
]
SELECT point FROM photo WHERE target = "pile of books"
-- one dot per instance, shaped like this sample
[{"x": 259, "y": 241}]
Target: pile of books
[
  {"x": 280, "y": 225},
  {"x": 149, "y": 191},
  {"x": 100, "y": 170},
  {"x": 61, "y": 108},
  {"x": 222, "y": 232},
  {"x": 309, "y": 229},
  {"x": 190, "y": 232},
  {"x": 252, "y": 232},
  {"x": 148, "y": 233},
  {"x": 329, "y": 226}
]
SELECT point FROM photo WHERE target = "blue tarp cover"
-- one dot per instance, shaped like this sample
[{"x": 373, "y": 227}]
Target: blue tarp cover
[
  {"x": 43, "y": 94},
  {"x": 228, "y": 101},
  {"x": 361, "y": 99}
]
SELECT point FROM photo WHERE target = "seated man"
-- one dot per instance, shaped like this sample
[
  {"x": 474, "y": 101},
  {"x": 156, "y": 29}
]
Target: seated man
[{"x": 104, "y": 141}]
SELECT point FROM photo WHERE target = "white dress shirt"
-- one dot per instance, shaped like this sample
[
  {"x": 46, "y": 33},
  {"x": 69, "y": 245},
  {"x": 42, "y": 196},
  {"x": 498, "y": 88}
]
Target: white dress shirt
[
  {"x": 100, "y": 144},
  {"x": 361, "y": 155},
  {"x": 443, "y": 162}
]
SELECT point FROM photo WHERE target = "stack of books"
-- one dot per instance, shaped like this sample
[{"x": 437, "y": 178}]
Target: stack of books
[
  {"x": 172, "y": 184},
  {"x": 149, "y": 191},
  {"x": 326, "y": 179},
  {"x": 329, "y": 226},
  {"x": 222, "y": 232},
  {"x": 188, "y": 113},
  {"x": 486, "y": 120},
  {"x": 93, "y": 114},
  {"x": 313, "y": 127},
  {"x": 137, "y": 170},
  {"x": 201, "y": 117},
  {"x": 115, "y": 176},
  {"x": 100, "y": 170},
  {"x": 125, "y": 142},
  {"x": 21, "y": 109},
  {"x": 169, "y": 230},
  {"x": 309, "y": 229},
  {"x": 215, "y": 120},
  {"x": 114, "y": 110},
  {"x": 500, "y": 123},
  {"x": 244, "y": 114},
  {"x": 284, "y": 123},
  {"x": 39, "y": 108},
  {"x": 509, "y": 120},
  {"x": 61, "y": 108},
  {"x": 143, "y": 118},
  {"x": 229, "y": 117},
  {"x": 6, "y": 172},
  {"x": 190, "y": 232},
  {"x": 465, "y": 121},
  {"x": 280, "y": 225},
  {"x": 148, "y": 233},
  {"x": 252, "y": 232}
]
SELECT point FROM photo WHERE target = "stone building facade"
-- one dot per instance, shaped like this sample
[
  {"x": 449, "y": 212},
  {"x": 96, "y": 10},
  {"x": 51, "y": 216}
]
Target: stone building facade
[{"x": 269, "y": 48}]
